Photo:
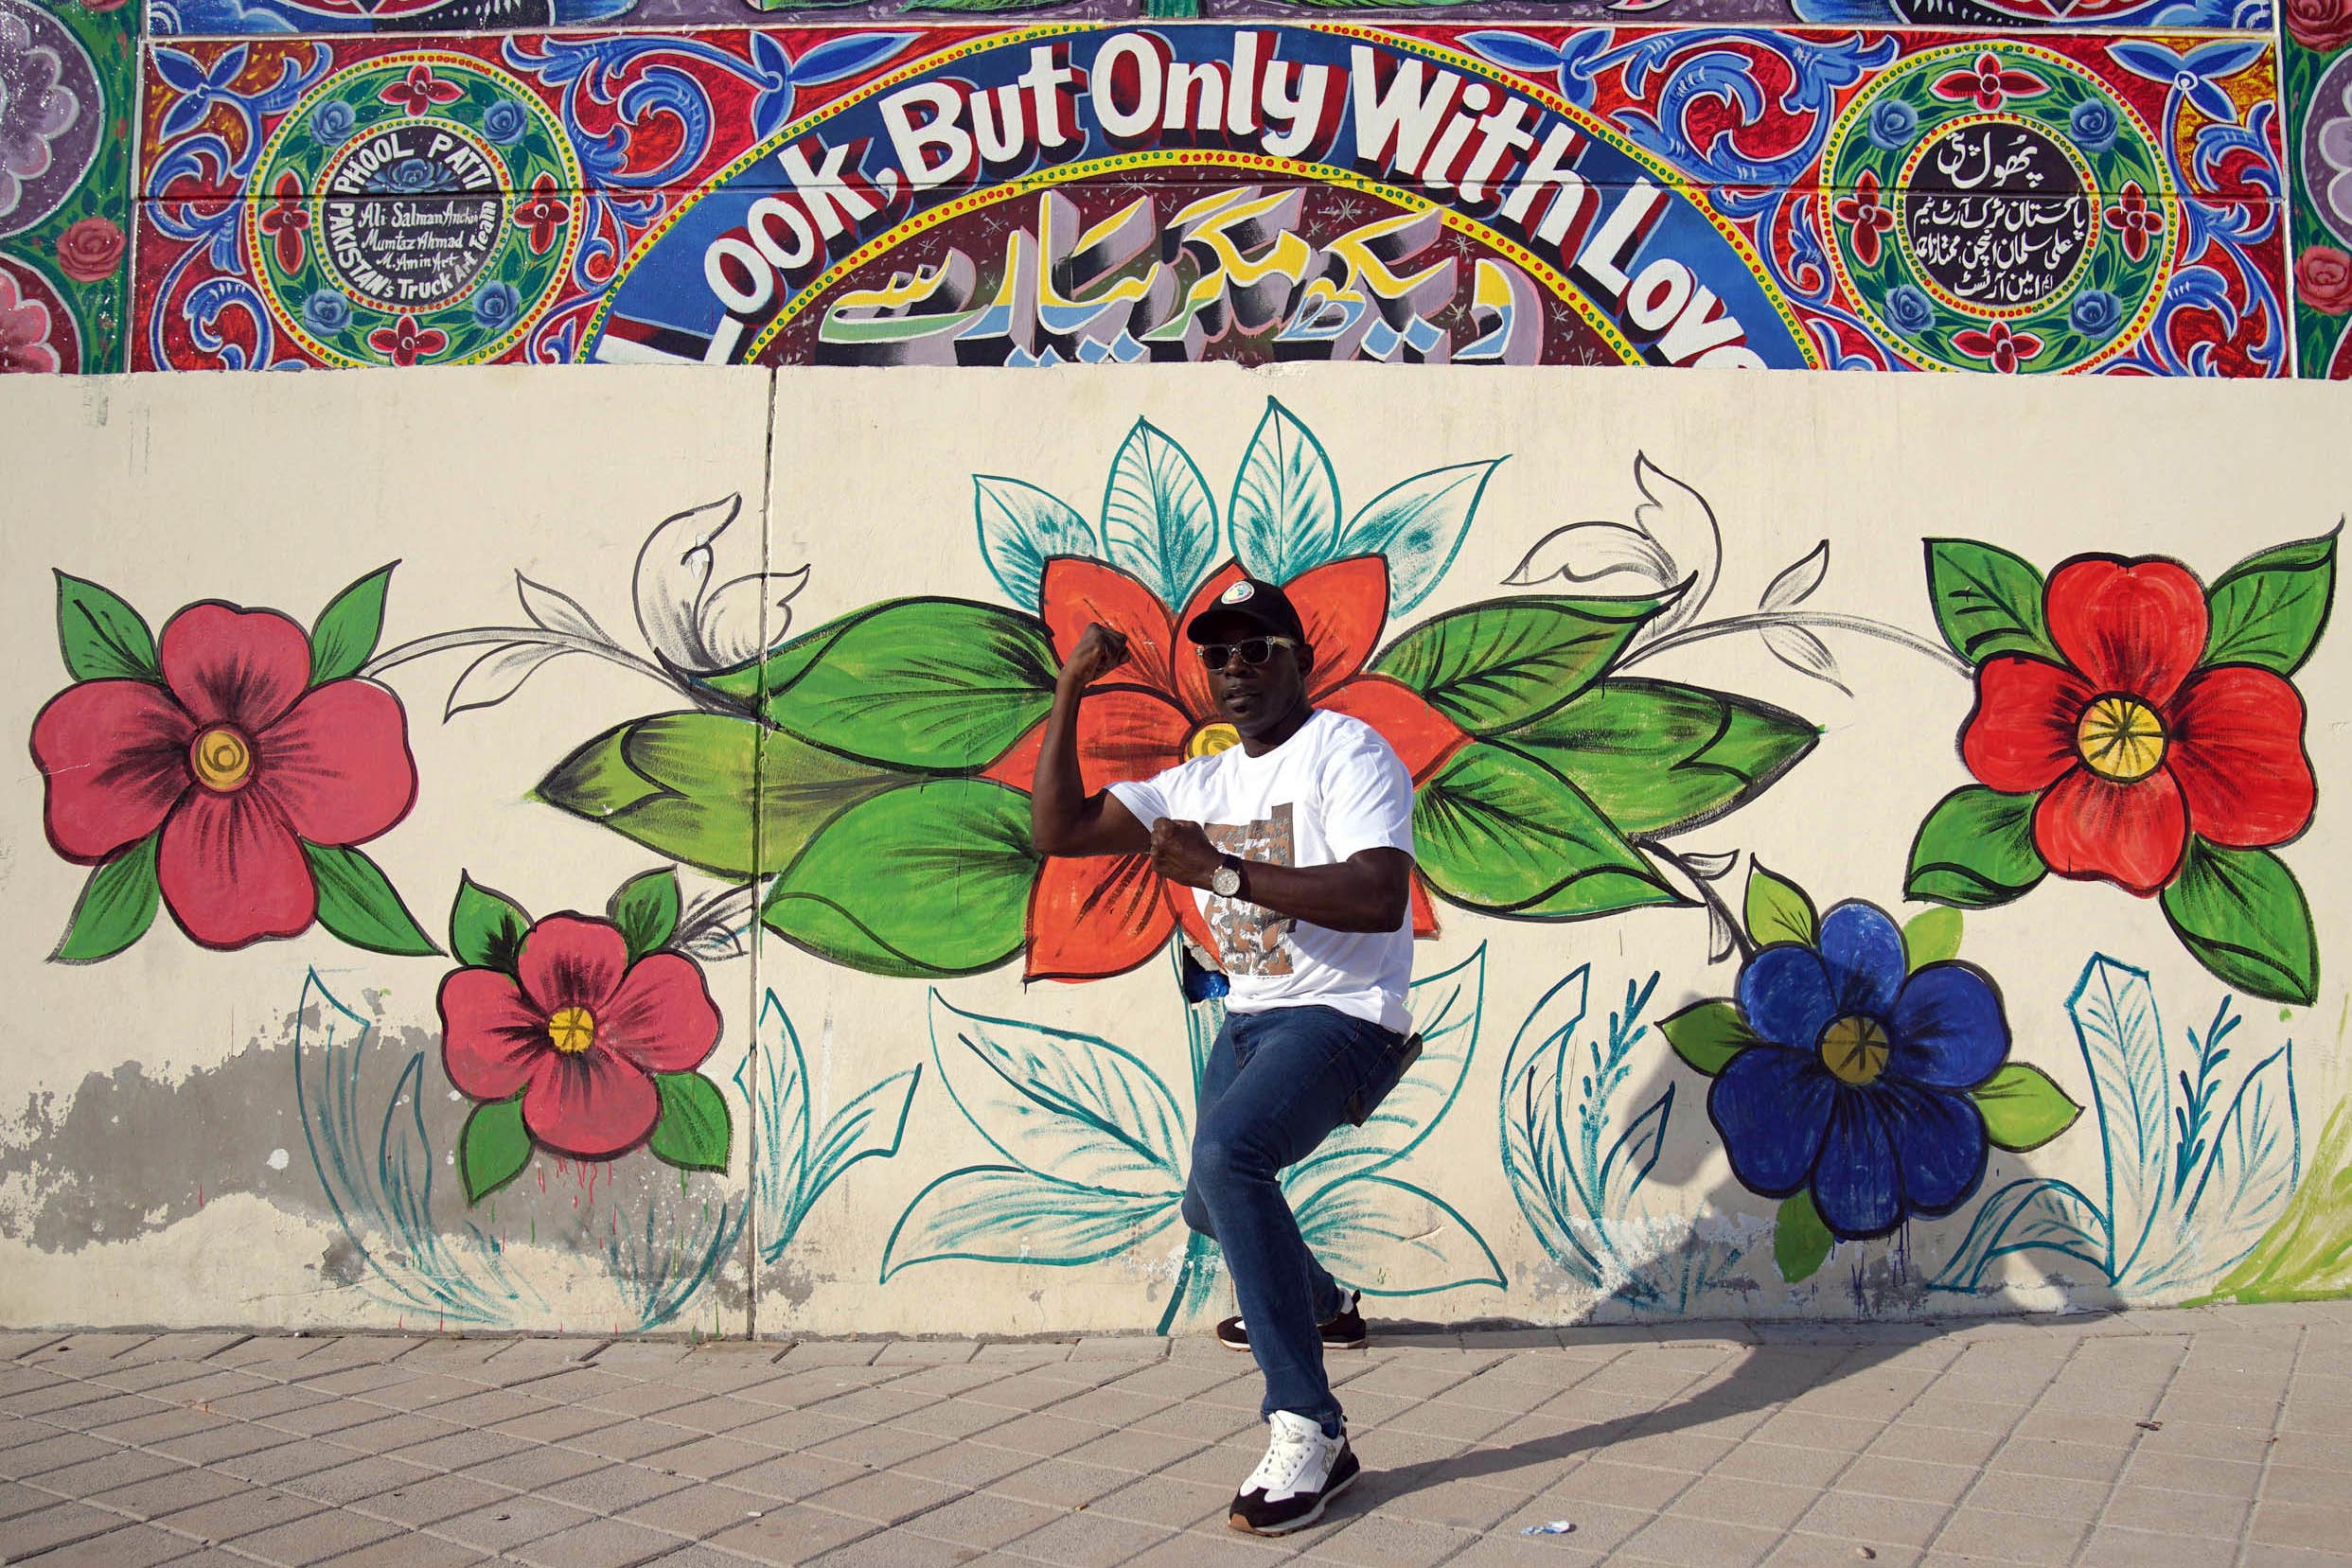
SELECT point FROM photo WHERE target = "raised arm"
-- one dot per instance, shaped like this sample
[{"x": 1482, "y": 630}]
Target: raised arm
[{"x": 1063, "y": 818}]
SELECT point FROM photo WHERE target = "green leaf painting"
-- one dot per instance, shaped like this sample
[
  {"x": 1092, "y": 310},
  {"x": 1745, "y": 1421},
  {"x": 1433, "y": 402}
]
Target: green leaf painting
[
  {"x": 358, "y": 904},
  {"x": 100, "y": 636},
  {"x": 1932, "y": 935},
  {"x": 1975, "y": 849},
  {"x": 1801, "y": 1238},
  {"x": 2023, "y": 1107},
  {"x": 1778, "y": 909},
  {"x": 117, "y": 906},
  {"x": 494, "y": 1148},
  {"x": 929, "y": 685},
  {"x": 1499, "y": 832},
  {"x": 1658, "y": 758},
  {"x": 646, "y": 910},
  {"x": 486, "y": 927},
  {"x": 2242, "y": 914},
  {"x": 1386, "y": 1237},
  {"x": 722, "y": 794},
  {"x": 349, "y": 628},
  {"x": 924, "y": 881},
  {"x": 2270, "y": 608},
  {"x": 1987, "y": 601},
  {"x": 696, "y": 1128},
  {"x": 1708, "y": 1035},
  {"x": 1495, "y": 666}
]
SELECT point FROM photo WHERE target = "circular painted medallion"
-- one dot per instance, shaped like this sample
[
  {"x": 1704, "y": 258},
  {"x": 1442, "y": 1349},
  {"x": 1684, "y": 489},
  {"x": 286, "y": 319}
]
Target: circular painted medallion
[
  {"x": 415, "y": 209},
  {"x": 1994, "y": 207},
  {"x": 51, "y": 112}
]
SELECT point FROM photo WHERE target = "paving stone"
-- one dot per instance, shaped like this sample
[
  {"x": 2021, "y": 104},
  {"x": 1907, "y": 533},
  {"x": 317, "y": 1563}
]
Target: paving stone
[
  {"x": 2325, "y": 1529},
  {"x": 2111, "y": 1547},
  {"x": 1090, "y": 1541},
  {"x": 243, "y": 1513},
  {"x": 408, "y": 1550},
  {"x": 430, "y": 1501},
  {"x": 59, "y": 1525},
  {"x": 899, "y": 1549},
  {"x": 121, "y": 1468},
  {"x": 1700, "y": 1543},
  {"x": 133, "y": 1546},
  {"x": 795, "y": 1477},
  {"x": 598, "y": 1543},
  {"x": 2009, "y": 1537},
  {"x": 316, "y": 1538},
  {"x": 698, "y": 1512},
  {"x": 884, "y": 1498},
  {"x": 182, "y": 1487},
  {"x": 1161, "y": 1499},
  {"x": 508, "y": 1522},
  {"x": 790, "y": 1534},
  {"x": 534, "y": 1469},
  {"x": 613, "y": 1489}
]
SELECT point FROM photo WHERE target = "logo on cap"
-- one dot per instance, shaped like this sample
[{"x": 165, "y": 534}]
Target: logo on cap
[{"x": 1237, "y": 594}]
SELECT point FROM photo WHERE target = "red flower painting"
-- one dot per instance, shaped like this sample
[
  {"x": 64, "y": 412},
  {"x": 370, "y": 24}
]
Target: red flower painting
[
  {"x": 1095, "y": 916},
  {"x": 1989, "y": 83},
  {"x": 578, "y": 1031},
  {"x": 2129, "y": 746},
  {"x": 238, "y": 761},
  {"x": 1867, "y": 217}
]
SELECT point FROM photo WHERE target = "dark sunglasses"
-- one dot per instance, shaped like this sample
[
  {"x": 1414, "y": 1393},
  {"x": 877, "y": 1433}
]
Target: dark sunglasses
[{"x": 1253, "y": 651}]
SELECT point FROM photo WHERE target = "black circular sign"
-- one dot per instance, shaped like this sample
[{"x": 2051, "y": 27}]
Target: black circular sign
[
  {"x": 1995, "y": 215},
  {"x": 412, "y": 214}
]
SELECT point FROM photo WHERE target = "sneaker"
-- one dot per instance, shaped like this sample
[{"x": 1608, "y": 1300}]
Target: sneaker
[
  {"x": 1343, "y": 1332},
  {"x": 1302, "y": 1470}
]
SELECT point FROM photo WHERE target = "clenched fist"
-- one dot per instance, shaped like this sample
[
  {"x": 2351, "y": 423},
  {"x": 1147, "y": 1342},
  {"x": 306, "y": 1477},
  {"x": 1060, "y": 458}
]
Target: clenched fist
[
  {"x": 1181, "y": 852},
  {"x": 1099, "y": 651}
]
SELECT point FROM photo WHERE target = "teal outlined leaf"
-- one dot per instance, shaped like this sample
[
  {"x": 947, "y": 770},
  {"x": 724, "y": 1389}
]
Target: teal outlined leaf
[
  {"x": 1420, "y": 525},
  {"x": 1022, "y": 527},
  {"x": 1447, "y": 1008},
  {"x": 1003, "y": 1214},
  {"x": 2033, "y": 1214},
  {"x": 1535, "y": 1137},
  {"x": 1158, "y": 522},
  {"x": 1284, "y": 514},
  {"x": 1071, "y": 1107},
  {"x": 2241, "y": 1186},
  {"x": 2113, "y": 1010},
  {"x": 1385, "y": 1237}
]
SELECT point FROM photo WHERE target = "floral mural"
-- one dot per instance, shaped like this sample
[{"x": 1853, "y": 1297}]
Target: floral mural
[{"x": 850, "y": 789}]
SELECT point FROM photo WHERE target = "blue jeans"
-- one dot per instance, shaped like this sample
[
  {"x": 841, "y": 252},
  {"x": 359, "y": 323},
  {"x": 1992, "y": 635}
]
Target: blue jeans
[{"x": 1276, "y": 1084}]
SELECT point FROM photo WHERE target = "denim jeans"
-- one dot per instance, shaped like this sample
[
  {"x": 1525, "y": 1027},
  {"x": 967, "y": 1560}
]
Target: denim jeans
[{"x": 1276, "y": 1084}]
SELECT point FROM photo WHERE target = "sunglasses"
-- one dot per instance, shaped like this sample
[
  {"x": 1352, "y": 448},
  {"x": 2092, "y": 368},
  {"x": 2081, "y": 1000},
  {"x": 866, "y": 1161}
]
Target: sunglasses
[{"x": 1252, "y": 651}]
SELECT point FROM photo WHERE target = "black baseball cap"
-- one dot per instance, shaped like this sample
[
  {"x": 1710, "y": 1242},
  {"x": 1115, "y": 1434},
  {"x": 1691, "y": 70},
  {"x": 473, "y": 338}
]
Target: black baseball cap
[{"x": 1250, "y": 607}]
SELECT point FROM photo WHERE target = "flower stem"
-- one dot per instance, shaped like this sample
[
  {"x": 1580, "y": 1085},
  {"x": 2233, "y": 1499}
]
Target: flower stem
[
  {"x": 474, "y": 637},
  {"x": 1705, "y": 890},
  {"x": 1826, "y": 620}
]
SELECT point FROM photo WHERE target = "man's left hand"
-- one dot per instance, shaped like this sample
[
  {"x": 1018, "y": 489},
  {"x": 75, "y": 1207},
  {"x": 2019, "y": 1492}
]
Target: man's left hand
[{"x": 1181, "y": 852}]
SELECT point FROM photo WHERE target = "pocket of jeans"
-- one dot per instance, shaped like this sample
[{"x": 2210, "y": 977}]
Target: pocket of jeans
[{"x": 1395, "y": 1062}]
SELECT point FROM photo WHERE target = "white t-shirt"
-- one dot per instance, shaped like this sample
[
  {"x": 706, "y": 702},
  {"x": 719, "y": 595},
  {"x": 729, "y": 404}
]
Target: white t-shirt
[{"x": 1330, "y": 790}]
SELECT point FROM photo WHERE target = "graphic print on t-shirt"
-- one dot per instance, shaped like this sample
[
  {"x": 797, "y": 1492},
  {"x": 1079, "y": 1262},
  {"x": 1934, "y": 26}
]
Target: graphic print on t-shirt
[{"x": 1250, "y": 939}]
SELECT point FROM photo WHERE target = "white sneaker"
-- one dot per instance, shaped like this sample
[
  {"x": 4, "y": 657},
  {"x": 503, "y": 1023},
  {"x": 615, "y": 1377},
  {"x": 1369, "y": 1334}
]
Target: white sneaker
[{"x": 1301, "y": 1472}]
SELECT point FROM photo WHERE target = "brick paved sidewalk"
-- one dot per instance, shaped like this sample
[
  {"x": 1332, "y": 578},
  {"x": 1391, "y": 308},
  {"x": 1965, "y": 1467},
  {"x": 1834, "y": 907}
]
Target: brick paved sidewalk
[{"x": 2138, "y": 1441}]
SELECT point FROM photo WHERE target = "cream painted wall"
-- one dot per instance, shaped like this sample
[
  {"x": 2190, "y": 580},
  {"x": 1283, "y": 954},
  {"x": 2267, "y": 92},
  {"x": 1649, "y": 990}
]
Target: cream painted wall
[{"x": 278, "y": 491}]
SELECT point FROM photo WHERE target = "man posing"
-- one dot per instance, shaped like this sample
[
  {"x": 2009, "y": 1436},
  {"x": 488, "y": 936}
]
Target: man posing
[{"x": 1299, "y": 840}]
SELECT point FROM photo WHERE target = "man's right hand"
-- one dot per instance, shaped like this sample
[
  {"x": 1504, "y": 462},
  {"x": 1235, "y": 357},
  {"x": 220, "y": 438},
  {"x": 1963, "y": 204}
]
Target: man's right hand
[{"x": 1099, "y": 651}]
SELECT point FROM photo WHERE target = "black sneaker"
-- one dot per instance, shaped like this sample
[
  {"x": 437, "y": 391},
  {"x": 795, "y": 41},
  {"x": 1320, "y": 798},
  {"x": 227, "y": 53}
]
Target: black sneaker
[
  {"x": 1344, "y": 1332},
  {"x": 1302, "y": 1470}
]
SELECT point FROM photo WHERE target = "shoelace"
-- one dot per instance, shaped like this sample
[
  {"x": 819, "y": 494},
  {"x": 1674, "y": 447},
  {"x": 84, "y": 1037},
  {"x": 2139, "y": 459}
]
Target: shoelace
[{"x": 1286, "y": 1458}]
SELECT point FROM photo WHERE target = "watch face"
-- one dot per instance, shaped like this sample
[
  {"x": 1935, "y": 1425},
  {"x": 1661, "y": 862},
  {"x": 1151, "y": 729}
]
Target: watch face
[{"x": 1225, "y": 883}]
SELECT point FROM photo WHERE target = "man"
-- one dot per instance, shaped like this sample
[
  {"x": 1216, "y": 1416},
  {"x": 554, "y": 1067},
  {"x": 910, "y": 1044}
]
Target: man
[{"x": 1299, "y": 842}]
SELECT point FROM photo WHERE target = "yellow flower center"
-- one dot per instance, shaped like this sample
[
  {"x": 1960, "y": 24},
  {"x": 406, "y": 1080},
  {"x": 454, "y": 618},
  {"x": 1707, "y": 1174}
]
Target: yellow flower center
[
  {"x": 1854, "y": 1047},
  {"x": 2120, "y": 738},
  {"x": 571, "y": 1030},
  {"x": 222, "y": 760},
  {"x": 1210, "y": 739}
]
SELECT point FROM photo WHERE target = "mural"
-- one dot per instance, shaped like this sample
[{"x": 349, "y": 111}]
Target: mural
[
  {"x": 596, "y": 1122},
  {"x": 67, "y": 75},
  {"x": 1842, "y": 196},
  {"x": 2315, "y": 69}
]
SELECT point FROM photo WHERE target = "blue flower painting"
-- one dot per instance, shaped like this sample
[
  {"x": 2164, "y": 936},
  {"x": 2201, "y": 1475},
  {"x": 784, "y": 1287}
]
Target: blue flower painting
[{"x": 1861, "y": 1071}]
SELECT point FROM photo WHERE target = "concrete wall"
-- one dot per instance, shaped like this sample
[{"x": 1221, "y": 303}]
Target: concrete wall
[{"x": 1682, "y": 664}]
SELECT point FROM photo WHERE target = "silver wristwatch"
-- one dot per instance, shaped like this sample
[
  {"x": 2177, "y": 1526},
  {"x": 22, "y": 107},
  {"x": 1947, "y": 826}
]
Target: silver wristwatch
[{"x": 1228, "y": 882}]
